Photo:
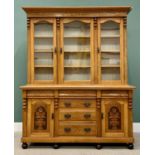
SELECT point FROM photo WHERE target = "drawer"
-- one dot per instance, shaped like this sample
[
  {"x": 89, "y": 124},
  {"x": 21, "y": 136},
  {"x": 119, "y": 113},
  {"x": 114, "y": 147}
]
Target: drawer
[
  {"x": 77, "y": 103},
  {"x": 78, "y": 93},
  {"x": 40, "y": 93},
  {"x": 77, "y": 129},
  {"x": 77, "y": 114},
  {"x": 114, "y": 93}
]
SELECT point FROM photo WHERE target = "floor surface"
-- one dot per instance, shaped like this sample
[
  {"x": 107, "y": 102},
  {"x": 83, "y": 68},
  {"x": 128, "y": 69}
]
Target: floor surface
[{"x": 38, "y": 149}]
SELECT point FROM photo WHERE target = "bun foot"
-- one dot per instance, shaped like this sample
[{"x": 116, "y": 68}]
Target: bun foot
[
  {"x": 55, "y": 146},
  {"x": 98, "y": 146},
  {"x": 24, "y": 145},
  {"x": 130, "y": 146}
]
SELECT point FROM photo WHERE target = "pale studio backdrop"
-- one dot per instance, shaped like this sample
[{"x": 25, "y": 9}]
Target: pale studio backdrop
[{"x": 20, "y": 45}]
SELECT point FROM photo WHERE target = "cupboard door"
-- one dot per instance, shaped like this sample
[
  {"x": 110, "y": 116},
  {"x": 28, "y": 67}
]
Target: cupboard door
[
  {"x": 40, "y": 121},
  {"x": 43, "y": 50},
  {"x": 76, "y": 51},
  {"x": 110, "y": 51},
  {"x": 115, "y": 117}
]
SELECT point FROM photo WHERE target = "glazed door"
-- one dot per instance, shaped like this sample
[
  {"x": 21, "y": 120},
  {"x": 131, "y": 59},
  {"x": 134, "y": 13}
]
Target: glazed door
[
  {"x": 110, "y": 51},
  {"x": 76, "y": 51},
  {"x": 40, "y": 118},
  {"x": 43, "y": 50},
  {"x": 114, "y": 117}
]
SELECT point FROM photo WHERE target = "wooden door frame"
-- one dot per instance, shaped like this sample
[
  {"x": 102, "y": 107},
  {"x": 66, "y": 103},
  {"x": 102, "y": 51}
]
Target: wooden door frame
[
  {"x": 50, "y": 121},
  {"x": 122, "y": 69},
  {"x": 124, "y": 123},
  {"x": 32, "y": 22},
  {"x": 61, "y": 57}
]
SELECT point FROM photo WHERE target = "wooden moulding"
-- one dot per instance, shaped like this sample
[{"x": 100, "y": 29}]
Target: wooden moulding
[
  {"x": 119, "y": 11},
  {"x": 75, "y": 139},
  {"x": 77, "y": 87}
]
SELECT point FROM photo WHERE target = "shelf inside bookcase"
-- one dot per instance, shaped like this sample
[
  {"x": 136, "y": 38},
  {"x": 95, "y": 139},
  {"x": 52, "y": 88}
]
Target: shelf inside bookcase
[
  {"x": 43, "y": 66},
  {"x": 43, "y": 37},
  {"x": 110, "y": 66},
  {"x": 77, "y": 66},
  {"x": 43, "y": 50}
]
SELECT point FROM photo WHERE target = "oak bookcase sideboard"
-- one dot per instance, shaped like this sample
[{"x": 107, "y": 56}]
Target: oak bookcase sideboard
[{"x": 77, "y": 85}]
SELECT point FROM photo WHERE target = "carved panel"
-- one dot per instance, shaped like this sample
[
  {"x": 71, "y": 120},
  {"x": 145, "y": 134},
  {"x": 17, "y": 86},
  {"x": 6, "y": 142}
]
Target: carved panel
[
  {"x": 98, "y": 103},
  {"x": 58, "y": 22},
  {"x": 114, "y": 118},
  {"x": 24, "y": 104},
  {"x": 40, "y": 118},
  {"x": 95, "y": 23},
  {"x": 28, "y": 22},
  {"x": 130, "y": 103}
]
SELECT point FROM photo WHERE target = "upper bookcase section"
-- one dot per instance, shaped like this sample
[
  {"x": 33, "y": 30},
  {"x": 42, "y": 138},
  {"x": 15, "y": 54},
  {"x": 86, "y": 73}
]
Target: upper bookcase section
[{"x": 109, "y": 11}]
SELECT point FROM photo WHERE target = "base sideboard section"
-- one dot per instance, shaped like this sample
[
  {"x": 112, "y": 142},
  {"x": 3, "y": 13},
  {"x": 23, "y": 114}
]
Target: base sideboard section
[{"x": 77, "y": 116}]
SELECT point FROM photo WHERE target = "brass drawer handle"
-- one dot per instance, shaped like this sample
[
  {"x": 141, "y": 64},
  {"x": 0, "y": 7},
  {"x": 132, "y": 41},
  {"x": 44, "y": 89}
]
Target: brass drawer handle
[
  {"x": 67, "y": 129},
  {"x": 87, "y": 104},
  {"x": 67, "y": 104},
  {"x": 87, "y": 129},
  {"x": 87, "y": 116},
  {"x": 67, "y": 116}
]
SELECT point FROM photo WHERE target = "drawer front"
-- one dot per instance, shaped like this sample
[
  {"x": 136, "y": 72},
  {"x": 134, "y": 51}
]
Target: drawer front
[
  {"x": 77, "y": 103},
  {"x": 77, "y": 114},
  {"x": 77, "y": 129}
]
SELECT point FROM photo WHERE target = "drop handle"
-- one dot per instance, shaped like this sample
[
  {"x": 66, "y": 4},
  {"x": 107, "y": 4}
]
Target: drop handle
[
  {"x": 52, "y": 116},
  {"x": 87, "y": 104},
  {"x": 67, "y": 104},
  {"x": 67, "y": 129},
  {"x": 102, "y": 115},
  {"x": 67, "y": 116},
  {"x": 60, "y": 50},
  {"x": 98, "y": 50},
  {"x": 87, "y": 129},
  {"x": 55, "y": 50},
  {"x": 87, "y": 116}
]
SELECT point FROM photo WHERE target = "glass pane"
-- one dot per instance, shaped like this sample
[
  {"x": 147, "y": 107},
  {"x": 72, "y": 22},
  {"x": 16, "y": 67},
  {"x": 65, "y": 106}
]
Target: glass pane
[
  {"x": 43, "y": 73},
  {"x": 110, "y": 59},
  {"x": 77, "y": 51},
  {"x": 77, "y": 59},
  {"x": 43, "y": 51},
  {"x": 77, "y": 74},
  {"x": 110, "y": 73},
  {"x": 43, "y": 29},
  {"x": 110, "y": 51},
  {"x": 43, "y": 59}
]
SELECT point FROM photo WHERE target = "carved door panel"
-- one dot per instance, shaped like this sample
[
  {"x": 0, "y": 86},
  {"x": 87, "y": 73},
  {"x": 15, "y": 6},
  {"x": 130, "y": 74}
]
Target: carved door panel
[
  {"x": 115, "y": 117},
  {"x": 40, "y": 121}
]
